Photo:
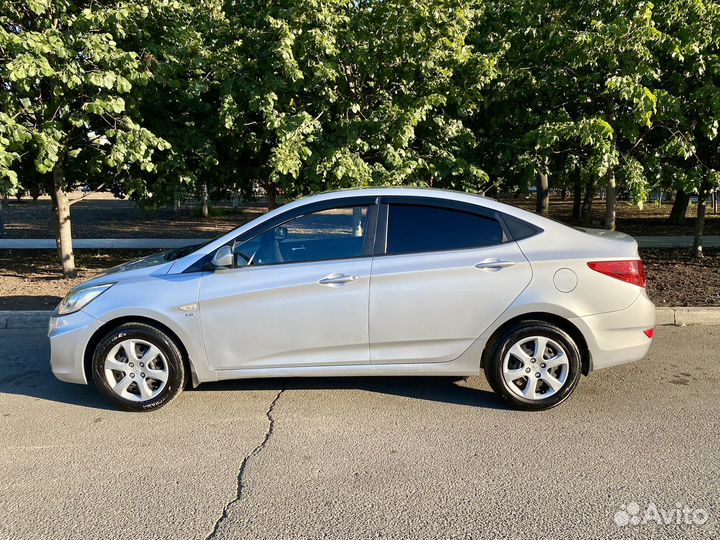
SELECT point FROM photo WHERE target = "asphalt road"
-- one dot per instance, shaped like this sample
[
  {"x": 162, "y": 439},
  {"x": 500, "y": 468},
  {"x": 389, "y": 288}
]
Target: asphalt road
[{"x": 366, "y": 458}]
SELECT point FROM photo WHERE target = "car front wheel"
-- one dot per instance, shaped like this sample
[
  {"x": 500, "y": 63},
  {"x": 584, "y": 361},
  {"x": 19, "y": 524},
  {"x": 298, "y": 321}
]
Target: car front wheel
[
  {"x": 534, "y": 366},
  {"x": 138, "y": 367}
]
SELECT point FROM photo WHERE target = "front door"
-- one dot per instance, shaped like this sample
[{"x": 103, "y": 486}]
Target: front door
[
  {"x": 445, "y": 277},
  {"x": 297, "y": 295}
]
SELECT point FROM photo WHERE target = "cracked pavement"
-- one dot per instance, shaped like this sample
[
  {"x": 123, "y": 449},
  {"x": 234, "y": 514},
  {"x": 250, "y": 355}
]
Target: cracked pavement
[
  {"x": 361, "y": 458},
  {"x": 245, "y": 461}
]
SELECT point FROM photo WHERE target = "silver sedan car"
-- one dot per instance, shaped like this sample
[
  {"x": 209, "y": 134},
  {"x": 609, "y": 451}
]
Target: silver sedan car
[{"x": 364, "y": 282}]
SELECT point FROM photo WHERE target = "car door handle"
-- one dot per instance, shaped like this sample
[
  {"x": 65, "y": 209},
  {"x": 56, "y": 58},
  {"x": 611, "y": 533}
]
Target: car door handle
[
  {"x": 337, "y": 279},
  {"x": 493, "y": 264},
  {"x": 299, "y": 248}
]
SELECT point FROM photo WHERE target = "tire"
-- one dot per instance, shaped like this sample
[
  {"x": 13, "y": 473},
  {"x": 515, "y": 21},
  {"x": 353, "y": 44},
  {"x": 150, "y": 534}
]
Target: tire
[
  {"x": 138, "y": 368},
  {"x": 529, "y": 381}
]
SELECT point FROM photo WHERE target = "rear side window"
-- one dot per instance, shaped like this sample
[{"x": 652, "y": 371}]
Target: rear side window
[
  {"x": 417, "y": 229},
  {"x": 520, "y": 229}
]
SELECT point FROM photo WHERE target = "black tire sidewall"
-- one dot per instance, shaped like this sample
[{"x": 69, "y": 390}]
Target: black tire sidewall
[
  {"x": 176, "y": 377},
  {"x": 494, "y": 369}
]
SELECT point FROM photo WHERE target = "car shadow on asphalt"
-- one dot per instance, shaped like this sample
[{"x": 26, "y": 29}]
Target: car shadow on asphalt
[
  {"x": 440, "y": 389},
  {"x": 40, "y": 384}
]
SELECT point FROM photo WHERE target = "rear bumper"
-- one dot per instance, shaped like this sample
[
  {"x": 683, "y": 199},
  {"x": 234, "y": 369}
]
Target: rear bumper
[
  {"x": 69, "y": 335},
  {"x": 617, "y": 338}
]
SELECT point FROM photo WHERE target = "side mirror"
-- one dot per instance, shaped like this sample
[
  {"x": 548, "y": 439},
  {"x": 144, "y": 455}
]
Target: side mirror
[{"x": 223, "y": 258}]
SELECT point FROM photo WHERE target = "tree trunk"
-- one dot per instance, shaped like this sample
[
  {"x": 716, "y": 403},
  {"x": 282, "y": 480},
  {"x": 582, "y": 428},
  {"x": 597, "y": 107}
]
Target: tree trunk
[
  {"x": 586, "y": 211},
  {"x": 176, "y": 204},
  {"x": 2, "y": 223},
  {"x": 61, "y": 214},
  {"x": 205, "y": 197},
  {"x": 543, "y": 194},
  {"x": 611, "y": 192},
  {"x": 563, "y": 193},
  {"x": 679, "y": 208},
  {"x": 715, "y": 202},
  {"x": 577, "y": 197},
  {"x": 700, "y": 221},
  {"x": 271, "y": 195}
]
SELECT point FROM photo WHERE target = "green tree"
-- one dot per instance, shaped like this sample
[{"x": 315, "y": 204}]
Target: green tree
[
  {"x": 67, "y": 101},
  {"x": 326, "y": 94},
  {"x": 574, "y": 96},
  {"x": 685, "y": 145},
  {"x": 185, "y": 44}
]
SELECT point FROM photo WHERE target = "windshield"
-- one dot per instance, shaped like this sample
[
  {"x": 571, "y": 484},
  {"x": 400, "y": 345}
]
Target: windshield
[
  {"x": 157, "y": 258},
  {"x": 179, "y": 253}
]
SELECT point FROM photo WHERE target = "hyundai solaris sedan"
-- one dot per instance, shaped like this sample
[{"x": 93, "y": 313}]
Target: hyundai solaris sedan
[{"x": 365, "y": 282}]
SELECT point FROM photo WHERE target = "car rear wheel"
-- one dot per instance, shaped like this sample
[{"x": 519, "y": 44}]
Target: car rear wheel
[
  {"x": 138, "y": 367},
  {"x": 534, "y": 366}
]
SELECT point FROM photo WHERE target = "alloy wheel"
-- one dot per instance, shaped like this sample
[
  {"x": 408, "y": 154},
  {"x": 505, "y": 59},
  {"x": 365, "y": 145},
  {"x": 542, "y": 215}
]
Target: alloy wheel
[
  {"x": 535, "y": 367},
  {"x": 136, "y": 370}
]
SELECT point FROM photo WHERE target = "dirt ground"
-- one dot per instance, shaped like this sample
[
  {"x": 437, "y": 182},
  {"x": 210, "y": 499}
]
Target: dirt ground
[
  {"x": 677, "y": 279},
  {"x": 30, "y": 279},
  {"x": 100, "y": 215},
  {"x": 650, "y": 221}
]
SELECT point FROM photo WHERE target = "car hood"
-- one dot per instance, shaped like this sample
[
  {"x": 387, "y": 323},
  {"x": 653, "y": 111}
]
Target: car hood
[
  {"x": 136, "y": 264},
  {"x": 154, "y": 265}
]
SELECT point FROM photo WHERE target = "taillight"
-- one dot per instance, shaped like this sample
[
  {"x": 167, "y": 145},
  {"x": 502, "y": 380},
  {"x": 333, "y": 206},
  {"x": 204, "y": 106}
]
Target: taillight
[
  {"x": 650, "y": 332},
  {"x": 632, "y": 272}
]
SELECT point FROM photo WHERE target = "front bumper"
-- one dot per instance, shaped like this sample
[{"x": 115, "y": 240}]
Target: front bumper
[
  {"x": 617, "y": 337},
  {"x": 69, "y": 335}
]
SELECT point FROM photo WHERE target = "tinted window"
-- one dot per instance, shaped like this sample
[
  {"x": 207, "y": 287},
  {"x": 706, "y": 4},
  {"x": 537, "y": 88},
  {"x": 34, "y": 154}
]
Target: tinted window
[
  {"x": 520, "y": 229},
  {"x": 413, "y": 229},
  {"x": 338, "y": 233}
]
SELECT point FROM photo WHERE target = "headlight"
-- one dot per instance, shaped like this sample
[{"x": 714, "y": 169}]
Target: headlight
[{"x": 76, "y": 300}]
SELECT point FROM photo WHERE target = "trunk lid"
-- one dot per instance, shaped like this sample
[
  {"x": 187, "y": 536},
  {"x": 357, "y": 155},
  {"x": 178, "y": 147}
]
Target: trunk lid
[
  {"x": 608, "y": 235},
  {"x": 609, "y": 244}
]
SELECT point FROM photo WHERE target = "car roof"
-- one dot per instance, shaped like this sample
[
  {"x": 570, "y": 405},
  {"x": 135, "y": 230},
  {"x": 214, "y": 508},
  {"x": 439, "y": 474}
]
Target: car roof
[
  {"x": 394, "y": 190},
  {"x": 430, "y": 193}
]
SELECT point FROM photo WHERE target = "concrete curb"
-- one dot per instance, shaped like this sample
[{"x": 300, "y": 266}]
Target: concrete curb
[
  {"x": 684, "y": 316},
  {"x": 705, "y": 316},
  {"x": 24, "y": 319},
  {"x": 678, "y": 316}
]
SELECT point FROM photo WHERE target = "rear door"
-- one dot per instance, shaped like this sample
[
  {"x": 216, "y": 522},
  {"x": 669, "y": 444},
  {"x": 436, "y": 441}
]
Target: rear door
[{"x": 443, "y": 272}]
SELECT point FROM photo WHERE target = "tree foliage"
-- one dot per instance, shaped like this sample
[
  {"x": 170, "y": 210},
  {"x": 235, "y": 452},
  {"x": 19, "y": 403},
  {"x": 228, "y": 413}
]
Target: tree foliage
[
  {"x": 68, "y": 100},
  {"x": 334, "y": 94},
  {"x": 68, "y": 90}
]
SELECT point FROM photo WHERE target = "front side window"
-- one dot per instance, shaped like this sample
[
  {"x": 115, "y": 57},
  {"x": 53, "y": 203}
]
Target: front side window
[
  {"x": 417, "y": 229},
  {"x": 338, "y": 233}
]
